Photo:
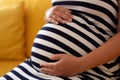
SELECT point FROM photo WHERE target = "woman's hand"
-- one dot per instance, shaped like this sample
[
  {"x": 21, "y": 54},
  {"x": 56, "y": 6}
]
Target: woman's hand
[
  {"x": 58, "y": 14},
  {"x": 67, "y": 65}
]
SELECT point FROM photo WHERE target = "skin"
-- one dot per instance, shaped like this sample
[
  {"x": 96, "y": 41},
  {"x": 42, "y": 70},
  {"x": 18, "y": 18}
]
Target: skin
[
  {"x": 58, "y": 14},
  {"x": 68, "y": 65}
]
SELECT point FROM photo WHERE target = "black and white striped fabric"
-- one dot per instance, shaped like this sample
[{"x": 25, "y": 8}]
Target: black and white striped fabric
[{"x": 94, "y": 22}]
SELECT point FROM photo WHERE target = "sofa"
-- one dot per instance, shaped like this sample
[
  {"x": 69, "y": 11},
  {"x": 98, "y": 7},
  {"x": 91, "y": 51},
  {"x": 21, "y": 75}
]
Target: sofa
[{"x": 20, "y": 21}]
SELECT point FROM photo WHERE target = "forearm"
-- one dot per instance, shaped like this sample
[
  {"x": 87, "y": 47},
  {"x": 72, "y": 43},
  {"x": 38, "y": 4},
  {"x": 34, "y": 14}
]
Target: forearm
[{"x": 106, "y": 52}]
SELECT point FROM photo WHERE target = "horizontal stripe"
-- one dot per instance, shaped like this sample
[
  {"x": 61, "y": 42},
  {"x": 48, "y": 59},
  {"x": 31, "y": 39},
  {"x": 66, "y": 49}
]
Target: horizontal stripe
[
  {"x": 68, "y": 37},
  {"x": 78, "y": 32}
]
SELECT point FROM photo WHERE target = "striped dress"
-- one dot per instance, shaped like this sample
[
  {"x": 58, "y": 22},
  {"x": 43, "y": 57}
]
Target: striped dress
[{"x": 94, "y": 22}]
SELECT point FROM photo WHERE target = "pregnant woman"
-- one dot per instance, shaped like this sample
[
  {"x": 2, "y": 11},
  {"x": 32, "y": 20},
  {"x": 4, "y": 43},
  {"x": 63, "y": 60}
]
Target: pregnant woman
[{"x": 86, "y": 48}]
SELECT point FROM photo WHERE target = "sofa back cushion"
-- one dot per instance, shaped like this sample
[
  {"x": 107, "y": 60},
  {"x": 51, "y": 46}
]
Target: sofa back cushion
[
  {"x": 34, "y": 18},
  {"x": 12, "y": 31},
  {"x": 35, "y": 11}
]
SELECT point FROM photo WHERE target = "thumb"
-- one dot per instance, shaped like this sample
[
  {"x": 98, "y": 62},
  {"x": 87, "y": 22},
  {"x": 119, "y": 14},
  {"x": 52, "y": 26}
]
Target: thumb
[{"x": 57, "y": 56}]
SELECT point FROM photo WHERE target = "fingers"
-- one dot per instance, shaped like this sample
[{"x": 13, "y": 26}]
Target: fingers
[
  {"x": 58, "y": 14},
  {"x": 52, "y": 64},
  {"x": 48, "y": 68},
  {"x": 53, "y": 68},
  {"x": 63, "y": 13},
  {"x": 54, "y": 21},
  {"x": 57, "y": 56},
  {"x": 62, "y": 16},
  {"x": 46, "y": 71},
  {"x": 50, "y": 72},
  {"x": 47, "y": 65}
]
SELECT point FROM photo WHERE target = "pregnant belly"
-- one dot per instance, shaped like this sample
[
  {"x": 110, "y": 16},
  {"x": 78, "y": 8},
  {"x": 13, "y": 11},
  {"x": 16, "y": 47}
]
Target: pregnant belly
[
  {"x": 71, "y": 36},
  {"x": 64, "y": 38}
]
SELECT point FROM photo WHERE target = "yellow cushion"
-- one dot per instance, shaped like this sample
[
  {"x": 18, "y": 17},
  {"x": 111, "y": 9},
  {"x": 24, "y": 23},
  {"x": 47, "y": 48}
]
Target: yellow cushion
[
  {"x": 6, "y": 66},
  {"x": 35, "y": 10},
  {"x": 12, "y": 32}
]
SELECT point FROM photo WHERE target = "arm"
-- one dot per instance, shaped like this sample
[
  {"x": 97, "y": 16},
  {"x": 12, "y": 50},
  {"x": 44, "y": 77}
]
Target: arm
[{"x": 108, "y": 51}]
